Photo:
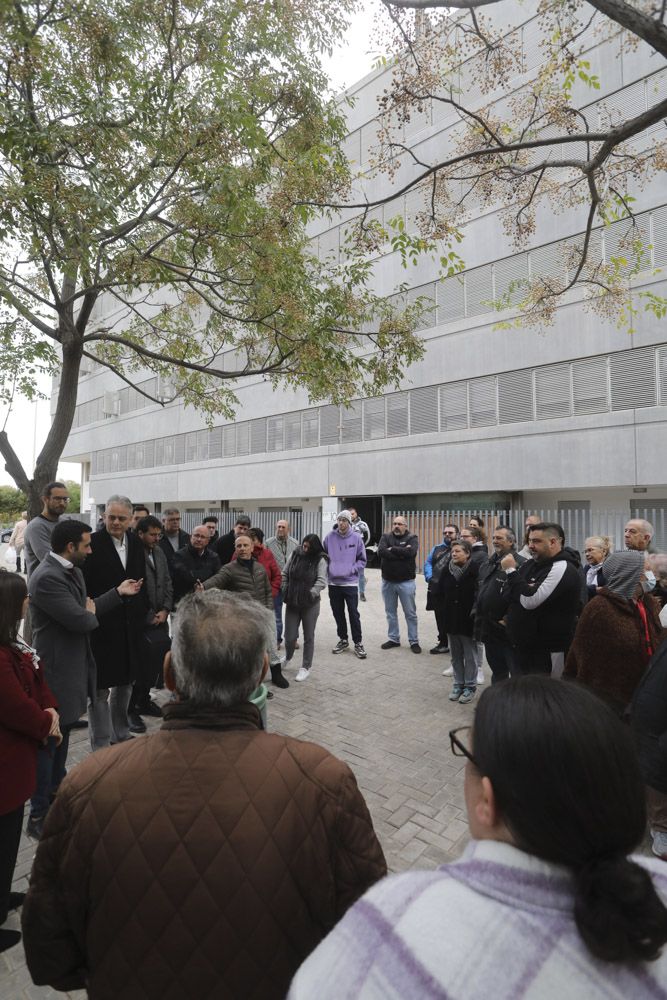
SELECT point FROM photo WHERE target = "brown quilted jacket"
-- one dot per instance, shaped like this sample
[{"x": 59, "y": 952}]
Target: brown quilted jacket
[{"x": 204, "y": 861}]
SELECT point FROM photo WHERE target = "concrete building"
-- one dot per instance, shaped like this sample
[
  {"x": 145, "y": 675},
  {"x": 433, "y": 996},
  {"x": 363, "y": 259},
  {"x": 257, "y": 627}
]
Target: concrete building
[{"x": 574, "y": 416}]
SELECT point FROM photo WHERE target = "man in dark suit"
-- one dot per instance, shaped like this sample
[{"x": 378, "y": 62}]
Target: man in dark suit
[
  {"x": 63, "y": 619},
  {"x": 160, "y": 598},
  {"x": 173, "y": 537},
  {"x": 118, "y": 644}
]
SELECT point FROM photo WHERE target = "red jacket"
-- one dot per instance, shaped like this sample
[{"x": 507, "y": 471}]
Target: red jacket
[
  {"x": 268, "y": 560},
  {"x": 24, "y": 695}
]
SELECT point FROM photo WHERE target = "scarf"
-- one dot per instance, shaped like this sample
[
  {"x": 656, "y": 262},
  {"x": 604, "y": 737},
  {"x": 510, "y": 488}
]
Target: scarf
[{"x": 458, "y": 571}]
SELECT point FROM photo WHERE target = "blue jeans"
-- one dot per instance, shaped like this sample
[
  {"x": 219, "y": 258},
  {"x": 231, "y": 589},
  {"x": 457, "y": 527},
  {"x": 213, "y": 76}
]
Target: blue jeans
[
  {"x": 404, "y": 592},
  {"x": 50, "y": 772},
  {"x": 362, "y": 582},
  {"x": 278, "y": 612}
]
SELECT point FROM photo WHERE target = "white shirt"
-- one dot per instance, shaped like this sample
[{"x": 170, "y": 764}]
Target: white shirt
[
  {"x": 63, "y": 562},
  {"x": 121, "y": 549}
]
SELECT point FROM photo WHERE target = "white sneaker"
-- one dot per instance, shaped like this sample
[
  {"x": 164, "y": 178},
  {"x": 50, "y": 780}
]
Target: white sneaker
[
  {"x": 480, "y": 676},
  {"x": 448, "y": 672},
  {"x": 302, "y": 675}
]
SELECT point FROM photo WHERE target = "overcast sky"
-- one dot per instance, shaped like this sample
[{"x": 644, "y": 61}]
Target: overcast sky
[{"x": 28, "y": 423}]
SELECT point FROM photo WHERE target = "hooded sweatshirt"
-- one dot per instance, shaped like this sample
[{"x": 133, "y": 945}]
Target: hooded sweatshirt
[
  {"x": 347, "y": 557},
  {"x": 546, "y": 599}
]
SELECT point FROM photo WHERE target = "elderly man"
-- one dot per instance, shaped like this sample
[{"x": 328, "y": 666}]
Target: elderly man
[
  {"x": 118, "y": 644},
  {"x": 209, "y": 859},
  {"x": 173, "y": 537},
  {"x": 397, "y": 552},
  {"x": 638, "y": 534},
  {"x": 194, "y": 563},
  {"x": 282, "y": 544},
  {"x": 63, "y": 620}
]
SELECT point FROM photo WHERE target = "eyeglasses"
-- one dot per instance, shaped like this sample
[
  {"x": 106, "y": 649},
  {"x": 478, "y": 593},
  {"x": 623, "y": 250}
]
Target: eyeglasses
[{"x": 459, "y": 749}]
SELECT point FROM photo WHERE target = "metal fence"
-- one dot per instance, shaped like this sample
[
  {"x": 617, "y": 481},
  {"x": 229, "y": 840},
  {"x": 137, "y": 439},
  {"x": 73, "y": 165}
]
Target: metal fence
[
  {"x": 578, "y": 524},
  {"x": 301, "y": 522}
]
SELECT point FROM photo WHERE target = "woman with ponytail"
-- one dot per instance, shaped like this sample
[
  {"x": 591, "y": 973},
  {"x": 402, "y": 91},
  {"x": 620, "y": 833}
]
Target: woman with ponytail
[
  {"x": 546, "y": 901},
  {"x": 304, "y": 579}
]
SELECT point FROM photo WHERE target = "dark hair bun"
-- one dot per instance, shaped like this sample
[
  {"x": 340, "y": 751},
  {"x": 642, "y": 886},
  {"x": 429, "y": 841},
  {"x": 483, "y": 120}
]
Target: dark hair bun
[{"x": 618, "y": 912}]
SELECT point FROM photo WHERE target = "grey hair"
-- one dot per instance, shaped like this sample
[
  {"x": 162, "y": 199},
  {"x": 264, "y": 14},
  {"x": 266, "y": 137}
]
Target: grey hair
[
  {"x": 119, "y": 499},
  {"x": 170, "y": 510},
  {"x": 510, "y": 532},
  {"x": 646, "y": 526},
  {"x": 218, "y": 644}
]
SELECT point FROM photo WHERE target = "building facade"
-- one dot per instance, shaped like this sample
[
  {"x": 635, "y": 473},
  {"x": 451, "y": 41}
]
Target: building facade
[{"x": 490, "y": 418}]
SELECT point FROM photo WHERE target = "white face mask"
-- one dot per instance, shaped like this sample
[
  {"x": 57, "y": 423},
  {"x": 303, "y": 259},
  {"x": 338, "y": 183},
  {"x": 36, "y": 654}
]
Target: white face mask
[{"x": 650, "y": 580}]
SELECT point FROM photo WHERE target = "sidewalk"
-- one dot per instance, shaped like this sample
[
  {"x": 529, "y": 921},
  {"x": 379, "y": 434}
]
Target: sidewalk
[{"x": 388, "y": 716}]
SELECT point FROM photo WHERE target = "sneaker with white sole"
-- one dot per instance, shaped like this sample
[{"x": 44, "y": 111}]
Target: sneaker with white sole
[
  {"x": 480, "y": 676},
  {"x": 467, "y": 696},
  {"x": 448, "y": 672},
  {"x": 302, "y": 675},
  {"x": 341, "y": 646},
  {"x": 360, "y": 651}
]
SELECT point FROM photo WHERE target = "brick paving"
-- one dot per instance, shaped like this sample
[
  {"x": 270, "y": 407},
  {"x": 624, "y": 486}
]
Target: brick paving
[{"x": 387, "y": 716}]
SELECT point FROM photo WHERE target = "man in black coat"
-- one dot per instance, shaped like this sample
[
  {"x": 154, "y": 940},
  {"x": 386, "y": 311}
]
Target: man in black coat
[
  {"x": 225, "y": 546},
  {"x": 547, "y": 595},
  {"x": 194, "y": 563},
  {"x": 118, "y": 644},
  {"x": 492, "y": 604}
]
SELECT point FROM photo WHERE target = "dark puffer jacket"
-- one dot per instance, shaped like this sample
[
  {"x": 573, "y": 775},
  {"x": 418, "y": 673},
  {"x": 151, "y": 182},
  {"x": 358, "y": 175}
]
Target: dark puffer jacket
[
  {"x": 245, "y": 577},
  {"x": 205, "y": 861},
  {"x": 649, "y": 721},
  {"x": 457, "y": 597}
]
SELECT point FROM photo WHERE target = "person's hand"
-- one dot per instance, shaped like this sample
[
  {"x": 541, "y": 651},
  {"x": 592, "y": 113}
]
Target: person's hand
[
  {"x": 90, "y": 605},
  {"x": 160, "y": 617},
  {"x": 128, "y": 588},
  {"x": 199, "y": 586},
  {"x": 508, "y": 561},
  {"x": 54, "y": 731}
]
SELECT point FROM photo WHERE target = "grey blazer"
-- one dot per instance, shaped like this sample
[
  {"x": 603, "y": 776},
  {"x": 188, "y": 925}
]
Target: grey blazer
[
  {"x": 159, "y": 588},
  {"x": 61, "y": 628}
]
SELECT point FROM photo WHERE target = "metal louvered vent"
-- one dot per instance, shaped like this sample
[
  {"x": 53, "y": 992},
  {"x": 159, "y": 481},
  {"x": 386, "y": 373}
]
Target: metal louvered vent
[
  {"x": 590, "y": 388},
  {"x": 329, "y": 425},
  {"x": 397, "y": 414},
  {"x": 179, "y": 449},
  {"x": 374, "y": 417},
  {"x": 424, "y": 410},
  {"x": 215, "y": 443},
  {"x": 479, "y": 291},
  {"x": 258, "y": 436},
  {"x": 632, "y": 376},
  {"x": 483, "y": 401},
  {"x": 515, "y": 397},
  {"x": 243, "y": 438},
  {"x": 351, "y": 423},
  {"x": 511, "y": 278},
  {"x": 229, "y": 440},
  {"x": 553, "y": 397},
  {"x": 450, "y": 296},
  {"x": 275, "y": 434},
  {"x": 662, "y": 375},
  {"x": 292, "y": 431},
  {"x": 453, "y": 406},
  {"x": 310, "y": 428},
  {"x": 659, "y": 237}
]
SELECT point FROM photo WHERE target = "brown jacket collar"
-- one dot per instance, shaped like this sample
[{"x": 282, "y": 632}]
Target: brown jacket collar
[{"x": 183, "y": 715}]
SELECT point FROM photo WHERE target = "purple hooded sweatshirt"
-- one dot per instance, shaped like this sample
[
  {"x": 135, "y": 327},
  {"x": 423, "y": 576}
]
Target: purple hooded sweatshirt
[{"x": 347, "y": 557}]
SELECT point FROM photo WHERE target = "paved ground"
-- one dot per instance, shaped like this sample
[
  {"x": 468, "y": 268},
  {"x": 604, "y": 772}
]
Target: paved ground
[{"x": 387, "y": 716}]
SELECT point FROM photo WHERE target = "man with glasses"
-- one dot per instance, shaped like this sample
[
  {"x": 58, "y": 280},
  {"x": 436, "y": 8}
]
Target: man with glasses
[
  {"x": 118, "y": 644},
  {"x": 37, "y": 538},
  {"x": 397, "y": 552}
]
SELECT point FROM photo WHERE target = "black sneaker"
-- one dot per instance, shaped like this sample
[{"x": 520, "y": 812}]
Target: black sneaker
[
  {"x": 341, "y": 646},
  {"x": 439, "y": 649},
  {"x": 360, "y": 651},
  {"x": 362, "y": 597},
  {"x": 137, "y": 724},
  {"x": 390, "y": 644},
  {"x": 415, "y": 647},
  {"x": 35, "y": 826}
]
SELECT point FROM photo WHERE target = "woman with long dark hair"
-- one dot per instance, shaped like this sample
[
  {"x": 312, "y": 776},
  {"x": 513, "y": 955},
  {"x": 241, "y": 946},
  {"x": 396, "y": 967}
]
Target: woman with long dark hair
[
  {"x": 545, "y": 901},
  {"x": 304, "y": 579},
  {"x": 27, "y": 718}
]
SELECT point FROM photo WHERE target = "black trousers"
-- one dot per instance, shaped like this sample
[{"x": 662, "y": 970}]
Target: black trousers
[
  {"x": 532, "y": 661},
  {"x": 340, "y": 598},
  {"x": 10, "y": 837}
]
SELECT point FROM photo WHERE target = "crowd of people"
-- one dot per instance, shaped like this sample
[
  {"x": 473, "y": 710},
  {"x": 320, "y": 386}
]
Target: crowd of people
[{"x": 261, "y": 847}]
